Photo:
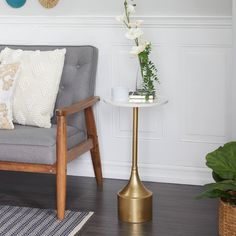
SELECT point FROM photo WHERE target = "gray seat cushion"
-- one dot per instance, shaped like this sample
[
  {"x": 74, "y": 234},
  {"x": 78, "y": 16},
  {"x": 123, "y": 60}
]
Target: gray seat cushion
[{"x": 29, "y": 144}]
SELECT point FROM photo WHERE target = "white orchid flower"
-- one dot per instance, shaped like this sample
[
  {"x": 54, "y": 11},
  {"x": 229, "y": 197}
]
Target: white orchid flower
[
  {"x": 143, "y": 42},
  {"x": 136, "y": 24},
  {"x": 134, "y": 33},
  {"x": 121, "y": 18},
  {"x": 136, "y": 50},
  {"x": 139, "y": 23},
  {"x": 130, "y": 9}
]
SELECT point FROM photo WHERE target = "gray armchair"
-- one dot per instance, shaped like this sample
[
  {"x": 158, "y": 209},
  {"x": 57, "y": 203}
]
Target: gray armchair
[{"x": 32, "y": 149}]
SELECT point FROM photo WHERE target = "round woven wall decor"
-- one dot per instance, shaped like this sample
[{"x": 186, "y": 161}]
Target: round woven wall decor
[
  {"x": 48, "y": 3},
  {"x": 16, "y": 3}
]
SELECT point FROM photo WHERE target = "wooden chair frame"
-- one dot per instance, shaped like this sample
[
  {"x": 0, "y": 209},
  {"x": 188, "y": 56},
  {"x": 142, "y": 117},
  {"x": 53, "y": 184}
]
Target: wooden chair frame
[{"x": 63, "y": 154}]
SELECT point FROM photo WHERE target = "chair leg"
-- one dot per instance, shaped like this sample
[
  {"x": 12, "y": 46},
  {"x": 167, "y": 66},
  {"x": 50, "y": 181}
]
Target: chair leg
[
  {"x": 95, "y": 153},
  {"x": 97, "y": 167},
  {"x": 61, "y": 194},
  {"x": 61, "y": 166}
]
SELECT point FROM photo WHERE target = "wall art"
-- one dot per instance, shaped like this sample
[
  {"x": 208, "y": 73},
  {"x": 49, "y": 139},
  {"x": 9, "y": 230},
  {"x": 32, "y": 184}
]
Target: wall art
[
  {"x": 16, "y": 3},
  {"x": 48, "y": 3}
]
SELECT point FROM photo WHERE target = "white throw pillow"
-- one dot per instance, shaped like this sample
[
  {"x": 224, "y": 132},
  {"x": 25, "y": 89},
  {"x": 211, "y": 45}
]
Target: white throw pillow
[
  {"x": 8, "y": 78},
  {"x": 38, "y": 84}
]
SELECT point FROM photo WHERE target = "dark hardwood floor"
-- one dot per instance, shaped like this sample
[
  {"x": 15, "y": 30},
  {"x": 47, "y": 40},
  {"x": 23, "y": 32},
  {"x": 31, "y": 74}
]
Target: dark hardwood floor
[{"x": 176, "y": 212}]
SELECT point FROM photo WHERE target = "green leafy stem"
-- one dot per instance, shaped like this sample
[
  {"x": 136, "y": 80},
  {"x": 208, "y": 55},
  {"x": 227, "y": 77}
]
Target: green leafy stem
[{"x": 148, "y": 71}]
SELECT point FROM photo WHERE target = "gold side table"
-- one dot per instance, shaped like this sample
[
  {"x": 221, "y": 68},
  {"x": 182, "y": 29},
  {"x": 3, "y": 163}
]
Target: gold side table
[{"x": 135, "y": 200}]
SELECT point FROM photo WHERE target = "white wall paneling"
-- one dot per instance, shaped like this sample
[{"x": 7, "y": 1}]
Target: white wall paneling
[
  {"x": 233, "y": 103},
  {"x": 193, "y": 56},
  {"x": 205, "y": 95}
]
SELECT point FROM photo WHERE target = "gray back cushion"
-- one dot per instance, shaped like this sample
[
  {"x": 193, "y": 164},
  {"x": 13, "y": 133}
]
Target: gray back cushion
[{"x": 78, "y": 77}]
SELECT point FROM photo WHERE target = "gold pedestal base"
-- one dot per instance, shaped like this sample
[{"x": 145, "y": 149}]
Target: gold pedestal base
[{"x": 135, "y": 202}]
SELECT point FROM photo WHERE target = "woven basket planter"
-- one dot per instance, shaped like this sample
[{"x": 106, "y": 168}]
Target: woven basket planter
[{"x": 227, "y": 219}]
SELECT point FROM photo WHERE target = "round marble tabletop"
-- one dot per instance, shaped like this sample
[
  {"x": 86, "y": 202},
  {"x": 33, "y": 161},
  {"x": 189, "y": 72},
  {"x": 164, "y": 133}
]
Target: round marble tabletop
[{"x": 156, "y": 102}]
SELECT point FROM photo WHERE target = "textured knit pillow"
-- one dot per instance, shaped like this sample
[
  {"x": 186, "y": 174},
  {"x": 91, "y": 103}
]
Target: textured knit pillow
[
  {"x": 8, "y": 77},
  {"x": 38, "y": 84}
]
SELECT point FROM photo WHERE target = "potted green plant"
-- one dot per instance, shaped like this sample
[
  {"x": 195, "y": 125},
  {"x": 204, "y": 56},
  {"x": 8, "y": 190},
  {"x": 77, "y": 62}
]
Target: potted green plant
[{"x": 223, "y": 164}]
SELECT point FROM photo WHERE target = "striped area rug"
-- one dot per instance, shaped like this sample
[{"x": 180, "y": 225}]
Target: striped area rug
[{"x": 25, "y": 221}]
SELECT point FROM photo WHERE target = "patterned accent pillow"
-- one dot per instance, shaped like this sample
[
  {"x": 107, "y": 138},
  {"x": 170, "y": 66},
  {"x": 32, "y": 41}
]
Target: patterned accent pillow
[
  {"x": 8, "y": 78},
  {"x": 38, "y": 84}
]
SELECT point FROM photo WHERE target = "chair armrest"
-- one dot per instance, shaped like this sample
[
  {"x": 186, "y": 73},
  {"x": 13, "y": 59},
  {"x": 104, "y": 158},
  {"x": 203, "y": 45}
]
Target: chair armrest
[{"x": 77, "y": 107}]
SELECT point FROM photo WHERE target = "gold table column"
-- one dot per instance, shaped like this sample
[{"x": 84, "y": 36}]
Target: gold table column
[{"x": 135, "y": 201}]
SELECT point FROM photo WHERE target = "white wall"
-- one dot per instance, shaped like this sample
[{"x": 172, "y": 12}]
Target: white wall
[
  {"x": 113, "y": 7},
  {"x": 193, "y": 55},
  {"x": 234, "y": 75}
]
